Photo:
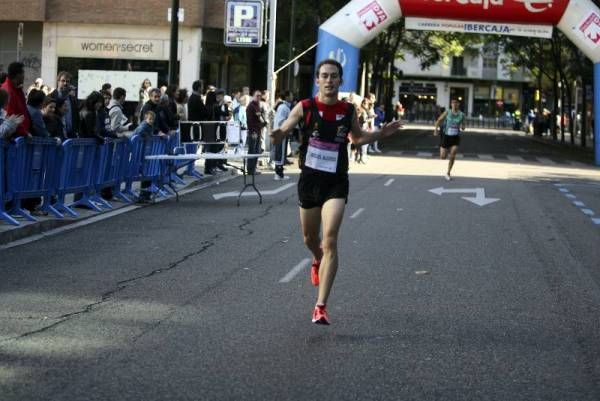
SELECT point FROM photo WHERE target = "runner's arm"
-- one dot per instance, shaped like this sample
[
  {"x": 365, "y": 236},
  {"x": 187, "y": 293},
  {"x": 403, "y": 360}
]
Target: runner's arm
[
  {"x": 438, "y": 122},
  {"x": 358, "y": 136},
  {"x": 293, "y": 119}
]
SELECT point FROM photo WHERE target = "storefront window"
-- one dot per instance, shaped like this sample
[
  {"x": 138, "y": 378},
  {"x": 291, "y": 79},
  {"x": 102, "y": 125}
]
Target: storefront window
[{"x": 73, "y": 65}]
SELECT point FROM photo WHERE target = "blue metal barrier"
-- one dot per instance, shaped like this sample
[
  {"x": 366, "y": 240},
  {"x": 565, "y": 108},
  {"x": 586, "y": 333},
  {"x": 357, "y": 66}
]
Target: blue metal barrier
[
  {"x": 4, "y": 195},
  {"x": 113, "y": 157},
  {"x": 141, "y": 169},
  {"x": 76, "y": 174},
  {"x": 174, "y": 148},
  {"x": 31, "y": 174},
  {"x": 192, "y": 148}
]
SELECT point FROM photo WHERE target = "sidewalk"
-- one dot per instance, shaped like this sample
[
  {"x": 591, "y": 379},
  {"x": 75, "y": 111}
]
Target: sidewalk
[{"x": 27, "y": 229}]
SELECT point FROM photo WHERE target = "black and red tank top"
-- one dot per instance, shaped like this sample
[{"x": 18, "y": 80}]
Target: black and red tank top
[{"x": 325, "y": 129}]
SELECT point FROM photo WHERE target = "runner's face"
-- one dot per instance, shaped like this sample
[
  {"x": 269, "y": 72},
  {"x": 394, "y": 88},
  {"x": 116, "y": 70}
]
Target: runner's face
[
  {"x": 454, "y": 104},
  {"x": 329, "y": 80}
]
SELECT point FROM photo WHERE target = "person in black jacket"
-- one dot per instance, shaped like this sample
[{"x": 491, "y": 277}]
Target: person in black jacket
[
  {"x": 209, "y": 132},
  {"x": 160, "y": 125},
  {"x": 62, "y": 91},
  {"x": 196, "y": 111},
  {"x": 95, "y": 122}
]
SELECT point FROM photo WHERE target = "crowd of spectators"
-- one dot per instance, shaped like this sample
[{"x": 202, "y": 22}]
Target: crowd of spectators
[{"x": 40, "y": 111}]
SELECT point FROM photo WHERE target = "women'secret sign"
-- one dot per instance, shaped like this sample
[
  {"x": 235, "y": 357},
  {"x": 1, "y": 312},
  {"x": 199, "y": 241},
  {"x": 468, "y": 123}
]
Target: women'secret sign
[{"x": 542, "y": 12}]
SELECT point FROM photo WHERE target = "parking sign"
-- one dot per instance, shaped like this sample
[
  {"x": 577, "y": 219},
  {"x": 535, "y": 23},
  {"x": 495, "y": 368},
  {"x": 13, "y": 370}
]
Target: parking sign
[{"x": 244, "y": 23}]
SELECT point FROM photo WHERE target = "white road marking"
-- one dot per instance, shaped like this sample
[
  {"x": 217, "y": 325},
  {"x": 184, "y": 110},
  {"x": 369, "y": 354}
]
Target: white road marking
[
  {"x": 596, "y": 221},
  {"x": 424, "y": 154},
  {"x": 545, "y": 160},
  {"x": 357, "y": 213},
  {"x": 297, "y": 269},
  {"x": 389, "y": 182},
  {"x": 251, "y": 192},
  {"x": 579, "y": 203},
  {"x": 479, "y": 199},
  {"x": 563, "y": 190},
  {"x": 571, "y": 196},
  {"x": 588, "y": 212},
  {"x": 485, "y": 157},
  {"x": 515, "y": 158}
]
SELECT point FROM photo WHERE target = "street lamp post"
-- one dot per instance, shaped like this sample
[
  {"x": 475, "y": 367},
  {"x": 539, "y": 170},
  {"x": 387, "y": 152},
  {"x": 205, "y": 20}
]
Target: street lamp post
[
  {"x": 291, "y": 47},
  {"x": 174, "y": 42},
  {"x": 271, "y": 76}
]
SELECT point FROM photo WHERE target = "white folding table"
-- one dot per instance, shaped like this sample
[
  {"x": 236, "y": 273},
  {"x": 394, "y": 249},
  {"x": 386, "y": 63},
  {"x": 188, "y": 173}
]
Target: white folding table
[{"x": 239, "y": 155}]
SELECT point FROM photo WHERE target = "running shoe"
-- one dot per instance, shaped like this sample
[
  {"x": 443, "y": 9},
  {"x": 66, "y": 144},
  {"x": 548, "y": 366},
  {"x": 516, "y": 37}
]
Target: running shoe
[
  {"x": 314, "y": 272},
  {"x": 447, "y": 177},
  {"x": 320, "y": 315}
]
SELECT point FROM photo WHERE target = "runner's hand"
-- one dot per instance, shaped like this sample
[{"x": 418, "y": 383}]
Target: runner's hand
[
  {"x": 391, "y": 128},
  {"x": 276, "y": 136}
]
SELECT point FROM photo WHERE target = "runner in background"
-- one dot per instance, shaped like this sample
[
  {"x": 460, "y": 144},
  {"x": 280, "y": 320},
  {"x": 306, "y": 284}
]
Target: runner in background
[{"x": 454, "y": 122}]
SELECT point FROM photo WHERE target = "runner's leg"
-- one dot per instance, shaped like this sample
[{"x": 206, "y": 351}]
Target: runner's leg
[
  {"x": 331, "y": 214},
  {"x": 310, "y": 219},
  {"x": 443, "y": 153},
  {"x": 453, "y": 151}
]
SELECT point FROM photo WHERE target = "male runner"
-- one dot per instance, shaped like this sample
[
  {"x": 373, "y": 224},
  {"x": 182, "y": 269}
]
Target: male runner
[
  {"x": 455, "y": 123},
  {"x": 327, "y": 125}
]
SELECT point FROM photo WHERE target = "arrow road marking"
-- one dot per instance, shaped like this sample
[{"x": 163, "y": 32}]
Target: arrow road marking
[
  {"x": 479, "y": 199},
  {"x": 253, "y": 193}
]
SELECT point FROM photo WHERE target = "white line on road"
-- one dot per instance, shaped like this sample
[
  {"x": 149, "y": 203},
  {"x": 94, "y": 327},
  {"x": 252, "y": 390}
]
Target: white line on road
[
  {"x": 485, "y": 157},
  {"x": 545, "y": 160},
  {"x": 563, "y": 190},
  {"x": 294, "y": 272},
  {"x": 571, "y": 196},
  {"x": 515, "y": 158},
  {"x": 588, "y": 212},
  {"x": 579, "y": 203},
  {"x": 424, "y": 154},
  {"x": 389, "y": 182},
  {"x": 235, "y": 194},
  {"x": 596, "y": 221},
  {"x": 357, "y": 213}
]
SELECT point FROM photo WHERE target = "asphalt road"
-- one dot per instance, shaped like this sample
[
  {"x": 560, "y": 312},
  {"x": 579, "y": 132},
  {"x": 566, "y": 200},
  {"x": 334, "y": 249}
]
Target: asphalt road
[{"x": 436, "y": 298}]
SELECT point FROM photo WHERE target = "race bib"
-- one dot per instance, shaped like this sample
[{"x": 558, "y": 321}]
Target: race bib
[
  {"x": 452, "y": 131},
  {"x": 322, "y": 156}
]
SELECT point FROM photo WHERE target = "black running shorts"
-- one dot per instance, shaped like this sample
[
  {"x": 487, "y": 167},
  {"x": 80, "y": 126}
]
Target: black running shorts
[
  {"x": 449, "y": 141},
  {"x": 315, "y": 190}
]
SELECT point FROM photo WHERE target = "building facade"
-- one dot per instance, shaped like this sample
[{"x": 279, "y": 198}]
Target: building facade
[
  {"x": 477, "y": 79},
  {"x": 123, "y": 35}
]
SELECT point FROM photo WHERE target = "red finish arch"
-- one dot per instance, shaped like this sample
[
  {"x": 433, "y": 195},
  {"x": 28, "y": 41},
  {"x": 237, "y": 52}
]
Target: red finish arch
[{"x": 539, "y": 12}]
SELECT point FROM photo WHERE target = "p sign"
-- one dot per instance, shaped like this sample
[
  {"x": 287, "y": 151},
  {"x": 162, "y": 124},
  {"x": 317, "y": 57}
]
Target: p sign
[{"x": 244, "y": 23}]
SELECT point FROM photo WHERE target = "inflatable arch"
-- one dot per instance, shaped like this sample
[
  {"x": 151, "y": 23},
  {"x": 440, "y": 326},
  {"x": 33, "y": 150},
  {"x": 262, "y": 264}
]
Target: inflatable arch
[{"x": 355, "y": 25}]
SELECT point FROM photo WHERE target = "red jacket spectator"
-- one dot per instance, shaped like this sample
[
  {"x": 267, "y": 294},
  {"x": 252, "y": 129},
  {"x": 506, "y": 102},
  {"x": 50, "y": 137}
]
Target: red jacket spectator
[{"x": 17, "y": 105}]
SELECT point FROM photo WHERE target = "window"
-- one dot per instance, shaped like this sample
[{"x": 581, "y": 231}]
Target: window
[{"x": 458, "y": 66}]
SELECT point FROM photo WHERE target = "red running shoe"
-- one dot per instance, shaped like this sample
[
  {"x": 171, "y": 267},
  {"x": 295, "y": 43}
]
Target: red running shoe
[
  {"x": 320, "y": 315},
  {"x": 314, "y": 272}
]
